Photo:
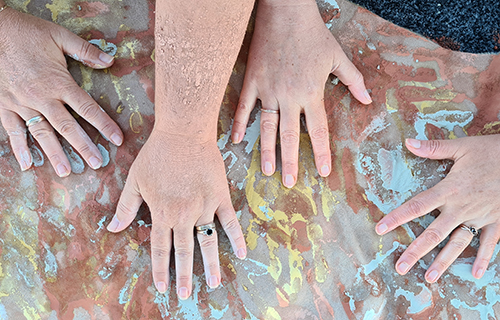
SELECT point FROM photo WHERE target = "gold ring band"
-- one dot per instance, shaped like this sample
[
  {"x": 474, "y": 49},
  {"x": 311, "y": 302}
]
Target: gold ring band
[{"x": 270, "y": 111}]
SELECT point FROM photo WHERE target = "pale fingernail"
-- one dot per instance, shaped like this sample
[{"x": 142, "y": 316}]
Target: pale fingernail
[
  {"x": 116, "y": 139},
  {"x": 289, "y": 181},
  {"x": 236, "y": 138},
  {"x": 382, "y": 228},
  {"x": 414, "y": 143},
  {"x": 94, "y": 163},
  {"x": 106, "y": 58},
  {"x": 324, "y": 170},
  {"x": 403, "y": 267},
  {"x": 183, "y": 293},
  {"x": 26, "y": 161},
  {"x": 367, "y": 96},
  {"x": 433, "y": 275},
  {"x": 213, "y": 282},
  {"x": 113, "y": 225},
  {"x": 479, "y": 273},
  {"x": 242, "y": 253},
  {"x": 268, "y": 168},
  {"x": 61, "y": 170},
  {"x": 161, "y": 286}
]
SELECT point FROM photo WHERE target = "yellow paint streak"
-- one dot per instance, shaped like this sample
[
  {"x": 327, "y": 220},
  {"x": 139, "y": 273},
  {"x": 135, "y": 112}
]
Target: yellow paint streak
[
  {"x": 31, "y": 255},
  {"x": 133, "y": 282},
  {"x": 315, "y": 233},
  {"x": 296, "y": 267},
  {"x": 131, "y": 121},
  {"x": 57, "y": 7},
  {"x": 3, "y": 294},
  {"x": 87, "y": 83},
  {"x": 275, "y": 266},
  {"x": 31, "y": 313},
  {"x": 231, "y": 267},
  {"x": 133, "y": 245},
  {"x": 272, "y": 314},
  {"x": 153, "y": 55},
  {"x": 125, "y": 94},
  {"x": 281, "y": 295},
  {"x": 119, "y": 109}
]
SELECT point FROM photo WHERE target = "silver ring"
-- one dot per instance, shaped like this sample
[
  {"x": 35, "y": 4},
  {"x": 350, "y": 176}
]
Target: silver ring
[
  {"x": 34, "y": 120},
  {"x": 206, "y": 229},
  {"x": 270, "y": 111},
  {"x": 472, "y": 230}
]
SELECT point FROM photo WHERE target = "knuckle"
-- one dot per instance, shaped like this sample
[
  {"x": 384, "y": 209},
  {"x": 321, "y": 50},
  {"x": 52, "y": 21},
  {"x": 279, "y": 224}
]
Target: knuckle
[
  {"x": 243, "y": 107},
  {"x": 289, "y": 137},
  {"x": 490, "y": 246},
  {"x": 183, "y": 252},
  {"x": 458, "y": 244},
  {"x": 89, "y": 110},
  {"x": 66, "y": 127},
  {"x": 415, "y": 208},
  {"x": 231, "y": 225},
  {"x": 41, "y": 132},
  {"x": 434, "y": 146},
  {"x": 87, "y": 50},
  {"x": 124, "y": 209},
  {"x": 159, "y": 253},
  {"x": 412, "y": 256},
  {"x": 432, "y": 236},
  {"x": 208, "y": 242},
  {"x": 320, "y": 133},
  {"x": 184, "y": 278},
  {"x": 268, "y": 126}
]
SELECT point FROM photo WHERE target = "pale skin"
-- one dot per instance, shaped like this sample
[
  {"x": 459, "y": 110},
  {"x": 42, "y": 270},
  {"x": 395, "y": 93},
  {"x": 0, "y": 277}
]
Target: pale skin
[
  {"x": 468, "y": 195},
  {"x": 36, "y": 82},
  {"x": 180, "y": 172},
  {"x": 291, "y": 55}
]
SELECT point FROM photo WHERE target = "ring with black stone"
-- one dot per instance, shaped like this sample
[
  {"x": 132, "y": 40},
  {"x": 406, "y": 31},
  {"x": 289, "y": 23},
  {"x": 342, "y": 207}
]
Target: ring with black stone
[
  {"x": 206, "y": 229},
  {"x": 472, "y": 230}
]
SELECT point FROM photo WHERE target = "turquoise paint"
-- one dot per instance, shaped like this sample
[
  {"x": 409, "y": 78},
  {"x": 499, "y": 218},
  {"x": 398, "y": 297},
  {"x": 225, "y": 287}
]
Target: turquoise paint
[{"x": 445, "y": 119}]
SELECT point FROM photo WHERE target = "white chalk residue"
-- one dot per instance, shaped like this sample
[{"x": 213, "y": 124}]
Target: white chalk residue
[
  {"x": 76, "y": 162},
  {"x": 252, "y": 134}
]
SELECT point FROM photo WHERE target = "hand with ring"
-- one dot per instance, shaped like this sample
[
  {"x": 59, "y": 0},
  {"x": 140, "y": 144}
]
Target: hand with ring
[
  {"x": 35, "y": 84},
  {"x": 288, "y": 65},
  {"x": 467, "y": 200}
]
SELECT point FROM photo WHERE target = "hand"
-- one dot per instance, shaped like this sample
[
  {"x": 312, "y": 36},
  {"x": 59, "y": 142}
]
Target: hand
[
  {"x": 468, "y": 195},
  {"x": 291, "y": 55},
  {"x": 184, "y": 185},
  {"x": 34, "y": 81}
]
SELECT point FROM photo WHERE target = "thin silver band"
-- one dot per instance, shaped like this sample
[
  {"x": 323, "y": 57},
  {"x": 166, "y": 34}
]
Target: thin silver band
[
  {"x": 206, "y": 229},
  {"x": 3, "y": 8},
  {"x": 270, "y": 111},
  {"x": 34, "y": 120},
  {"x": 472, "y": 230}
]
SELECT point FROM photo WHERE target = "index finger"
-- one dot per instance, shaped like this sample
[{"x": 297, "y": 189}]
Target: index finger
[{"x": 418, "y": 206}]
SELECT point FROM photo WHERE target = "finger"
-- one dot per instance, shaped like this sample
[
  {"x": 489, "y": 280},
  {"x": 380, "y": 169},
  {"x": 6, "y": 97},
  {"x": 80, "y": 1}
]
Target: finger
[
  {"x": 289, "y": 140},
  {"x": 435, "y": 149},
  {"x": 83, "y": 51},
  {"x": 46, "y": 137},
  {"x": 459, "y": 240},
  {"x": 128, "y": 205},
  {"x": 317, "y": 126},
  {"x": 69, "y": 128},
  {"x": 87, "y": 108},
  {"x": 345, "y": 70},
  {"x": 184, "y": 246},
  {"x": 490, "y": 235},
  {"x": 419, "y": 205},
  {"x": 435, "y": 233},
  {"x": 210, "y": 253},
  {"x": 231, "y": 226},
  {"x": 248, "y": 97},
  {"x": 161, "y": 246},
  {"x": 268, "y": 131},
  {"x": 16, "y": 130}
]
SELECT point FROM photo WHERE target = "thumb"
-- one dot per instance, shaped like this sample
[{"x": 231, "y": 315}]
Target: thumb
[
  {"x": 434, "y": 149},
  {"x": 128, "y": 205},
  {"x": 349, "y": 75},
  {"x": 83, "y": 51}
]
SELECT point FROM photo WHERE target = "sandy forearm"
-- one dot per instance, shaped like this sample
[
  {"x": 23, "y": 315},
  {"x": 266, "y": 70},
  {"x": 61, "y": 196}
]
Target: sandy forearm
[{"x": 196, "y": 47}]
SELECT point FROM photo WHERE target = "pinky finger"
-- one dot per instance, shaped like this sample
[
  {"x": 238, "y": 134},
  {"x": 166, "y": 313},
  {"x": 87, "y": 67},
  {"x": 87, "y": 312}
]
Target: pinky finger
[
  {"x": 231, "y": 225},
  {"x": 16, "y": 129},
  {"x": 490, "y": 235}
]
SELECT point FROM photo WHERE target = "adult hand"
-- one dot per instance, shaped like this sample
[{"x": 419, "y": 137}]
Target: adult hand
[
  {"x": 467, "y": 197},
  {"x": 291, "y": 55},
  {"x": 34, "y": 81},
  {"x": 171, "y": 176}
]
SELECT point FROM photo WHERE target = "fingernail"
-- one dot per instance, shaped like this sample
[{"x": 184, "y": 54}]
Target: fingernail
[
  {"x": 268, "y": 168},
  {"x": 414, "y": 143},
  {"x": 25, "y": 161},
  {"x": 161, "y": 286},
  {"x": 95, "y": 163},
  {"x": 382, "y": 228},
  {"x": 236, "y": 138},
  {"x": 113, "y": 225},
  {"x": 433, "y": 275},
  {"x": 403, "y": 267},
  {"x": 213, "y": 282},
  {"x": 183, "y": 293},
  {"x": 289, "y": 181},
  {"x": 61, "y": 170},
  {"x": 116, "y": 139},
  {"x": 479, "y": 273},
  {"x": 367, "y": 96},
  {"x": 106, "y": 58},
  {"x": 242, "y": 253},
  {"x": 324, "y": 170}
]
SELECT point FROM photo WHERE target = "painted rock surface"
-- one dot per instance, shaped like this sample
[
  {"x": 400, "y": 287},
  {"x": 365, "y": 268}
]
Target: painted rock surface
[{"x": 313, "y": 252}]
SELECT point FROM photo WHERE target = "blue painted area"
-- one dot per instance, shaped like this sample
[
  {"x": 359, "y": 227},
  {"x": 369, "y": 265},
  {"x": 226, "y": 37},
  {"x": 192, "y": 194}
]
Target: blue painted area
[
  {"x": 418, "y": 302},
  {"x": 375, "y": 263},
  {"x": 445, "y": 119},
  {"x": 104, "y": 154},
  {"x": 265, "y": 210},
  {"x": 217, "y": 314},
  {"x": 3, "y": 313},
  {"x": 50, "y": 262}
]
